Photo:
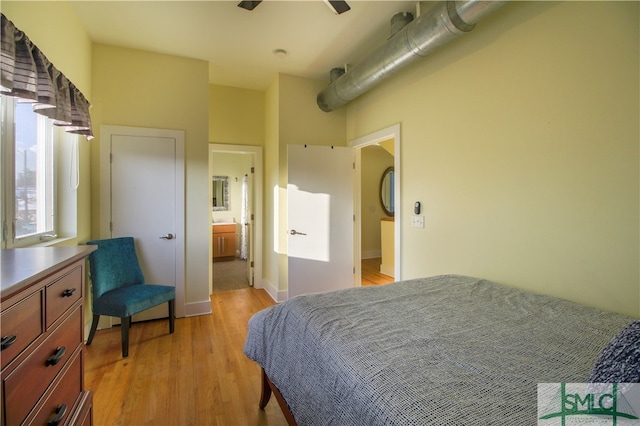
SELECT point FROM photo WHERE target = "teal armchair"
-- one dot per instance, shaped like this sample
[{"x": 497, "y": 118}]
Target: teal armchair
[{"x": 118, "y": 286}]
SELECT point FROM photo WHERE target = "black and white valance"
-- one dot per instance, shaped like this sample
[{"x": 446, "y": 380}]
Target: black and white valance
[{"x": 26, "y": 73}]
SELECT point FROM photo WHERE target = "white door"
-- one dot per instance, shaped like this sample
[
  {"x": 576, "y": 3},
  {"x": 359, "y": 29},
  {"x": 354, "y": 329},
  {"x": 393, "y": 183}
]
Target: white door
[
  {"x": 319, "y": 218},
  {"x": 248, "y": 199},
  {"x": 146, "y": 178}
]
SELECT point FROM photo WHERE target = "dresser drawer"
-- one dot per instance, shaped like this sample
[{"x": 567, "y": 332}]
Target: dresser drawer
[
  {"x": 21, "y": 324},
  {"x": 63, "y": 293},
  {"x": 59, "y": 404},
  {"x": 84, "y": 415},
  {"x": 24, "y": 386}
]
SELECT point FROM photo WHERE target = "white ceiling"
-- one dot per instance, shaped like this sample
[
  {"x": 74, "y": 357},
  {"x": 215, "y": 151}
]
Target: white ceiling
[{"x": 239, "y": 44}]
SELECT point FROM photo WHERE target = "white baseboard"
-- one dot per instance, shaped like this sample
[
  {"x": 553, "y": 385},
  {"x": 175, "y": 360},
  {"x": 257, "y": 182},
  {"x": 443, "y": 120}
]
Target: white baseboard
[
  {"x": 387, "y": 270},
  {"x": 277, "y": 295},
  {"x": 191, "y": 310},
  {"x": 371, "y": 254},
  {"x": 194, "y": 309}
]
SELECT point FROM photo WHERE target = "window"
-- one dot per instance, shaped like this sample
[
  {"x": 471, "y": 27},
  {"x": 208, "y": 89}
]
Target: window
[{"x": 27, "y": 167}]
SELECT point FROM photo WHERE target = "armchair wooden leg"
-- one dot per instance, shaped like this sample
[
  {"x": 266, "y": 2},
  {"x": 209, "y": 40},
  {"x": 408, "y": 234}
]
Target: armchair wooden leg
[
  {"x": 172, "y": 315},
  {"x": 94, "y": 327},
  {"x": 126, "y": 324}
]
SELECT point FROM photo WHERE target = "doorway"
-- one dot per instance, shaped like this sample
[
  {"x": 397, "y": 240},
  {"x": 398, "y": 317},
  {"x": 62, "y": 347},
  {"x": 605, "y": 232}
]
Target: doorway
[
  {"x": 377, "y": 218},
  {"x": 236, "y": 225},
  {"x": 371, "y": 162}
]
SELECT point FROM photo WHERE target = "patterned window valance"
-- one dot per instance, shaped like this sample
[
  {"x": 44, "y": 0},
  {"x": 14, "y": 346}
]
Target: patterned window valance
[{"x": 27, "y": 74}]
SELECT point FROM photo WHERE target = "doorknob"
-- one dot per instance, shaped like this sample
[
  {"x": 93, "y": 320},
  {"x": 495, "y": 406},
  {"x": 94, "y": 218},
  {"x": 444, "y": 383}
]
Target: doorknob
[
  {"x": 294, "y": 232},
  {"x": 167, "y": 237}
]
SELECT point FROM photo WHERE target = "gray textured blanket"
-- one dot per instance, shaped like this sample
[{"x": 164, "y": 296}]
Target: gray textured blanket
[{"x": 447, "y": 350}]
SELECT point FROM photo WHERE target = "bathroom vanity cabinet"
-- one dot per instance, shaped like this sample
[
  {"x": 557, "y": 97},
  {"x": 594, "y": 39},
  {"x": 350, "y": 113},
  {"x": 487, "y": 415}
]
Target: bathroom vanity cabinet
[{"x": 224, "y": 241}]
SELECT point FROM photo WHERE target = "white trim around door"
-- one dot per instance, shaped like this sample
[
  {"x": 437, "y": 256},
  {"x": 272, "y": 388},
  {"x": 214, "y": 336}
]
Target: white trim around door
[
  {"x": 256, "y": 153},
  {"x": 391, "y": 132}
]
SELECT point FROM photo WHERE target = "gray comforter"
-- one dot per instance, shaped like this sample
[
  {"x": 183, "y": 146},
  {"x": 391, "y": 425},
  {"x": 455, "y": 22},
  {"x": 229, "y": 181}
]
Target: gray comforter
[{"x": 447, "y": 350}]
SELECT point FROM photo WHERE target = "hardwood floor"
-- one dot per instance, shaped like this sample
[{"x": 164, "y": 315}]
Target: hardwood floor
[
  {"x": 196, "y": 376},
  {"x": 371, "y": 273}
]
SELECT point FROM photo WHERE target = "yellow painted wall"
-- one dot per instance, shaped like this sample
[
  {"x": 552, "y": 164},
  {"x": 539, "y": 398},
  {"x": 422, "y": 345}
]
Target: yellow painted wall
[
  {"x": 301, "y": 121},
  {"x": 58, "y": 34},
  {"x": 270, "y": 255},
  {"x": 143, "y": 89},
  {"x": 54, "y": 28},
  {"x": 292, "y": 118},
  {"x": 521, "y": 140},
  {"x": 236, "y": 116},
  {"x": 374, "y": 161}
]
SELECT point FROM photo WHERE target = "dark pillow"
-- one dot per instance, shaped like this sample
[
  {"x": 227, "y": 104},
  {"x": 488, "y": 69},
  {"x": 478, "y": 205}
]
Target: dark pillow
[{"x": 619, "y": 361}]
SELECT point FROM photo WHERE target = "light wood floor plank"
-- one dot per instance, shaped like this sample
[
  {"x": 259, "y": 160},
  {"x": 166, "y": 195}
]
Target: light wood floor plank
[
  {"x": 371, "y": 272},
  {"x": 197, "y": 376}
]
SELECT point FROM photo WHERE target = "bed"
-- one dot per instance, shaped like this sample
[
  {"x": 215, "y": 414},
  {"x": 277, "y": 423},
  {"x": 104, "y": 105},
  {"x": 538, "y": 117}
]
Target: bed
[{"x": 439, "y": 350}]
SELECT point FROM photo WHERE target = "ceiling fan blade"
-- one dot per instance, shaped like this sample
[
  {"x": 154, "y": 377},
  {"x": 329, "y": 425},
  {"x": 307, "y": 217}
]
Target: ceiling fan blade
[
  {"x": 249, "y": 5},
  {"x": 338, "y": 6}
]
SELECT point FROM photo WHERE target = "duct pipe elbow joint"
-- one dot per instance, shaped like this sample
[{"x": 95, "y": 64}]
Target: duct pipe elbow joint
[
  {"x": 328, "y": 99},
  {"x": 455, "y": 18}
]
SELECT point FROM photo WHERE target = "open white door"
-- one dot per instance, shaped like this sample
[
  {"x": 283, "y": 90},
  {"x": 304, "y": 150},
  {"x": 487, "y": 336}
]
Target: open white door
[
  {"x": 146, "y": 181},
  {"x": 320, "y": 218},
  {"x": 247, "y": 224}
]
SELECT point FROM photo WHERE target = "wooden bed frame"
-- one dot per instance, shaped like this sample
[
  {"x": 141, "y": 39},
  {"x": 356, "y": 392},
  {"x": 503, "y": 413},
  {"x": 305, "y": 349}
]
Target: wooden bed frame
[{"x": 267, "y": 389}]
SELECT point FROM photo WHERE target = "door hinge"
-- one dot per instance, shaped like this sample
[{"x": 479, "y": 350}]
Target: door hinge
[
  {"x": 252, "y": 216},
  {"x": 252, "y": 263},
  {"x": 354, "y": 166},
  {"x": 110, "y": 157},
  {"x": 110, "y": 226},
  {"x": 253, "y": 169}
]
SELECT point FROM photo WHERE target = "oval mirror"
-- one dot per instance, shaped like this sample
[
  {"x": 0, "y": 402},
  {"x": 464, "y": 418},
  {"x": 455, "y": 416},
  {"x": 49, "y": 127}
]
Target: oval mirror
[{"x": 386, "y": 191}]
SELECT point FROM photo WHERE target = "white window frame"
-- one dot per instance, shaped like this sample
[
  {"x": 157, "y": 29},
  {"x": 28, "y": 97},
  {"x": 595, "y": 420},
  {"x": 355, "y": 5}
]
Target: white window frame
[{"x": 46, "y": 130}]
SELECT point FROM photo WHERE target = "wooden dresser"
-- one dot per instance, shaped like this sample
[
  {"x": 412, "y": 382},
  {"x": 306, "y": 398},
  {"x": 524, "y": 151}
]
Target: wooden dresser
[
  {"x": 224, "y": 241},
  {"x": 42, "y": 294}
]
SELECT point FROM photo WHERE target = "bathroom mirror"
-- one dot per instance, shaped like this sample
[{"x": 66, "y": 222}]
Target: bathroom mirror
[
  {"x": 386, "y": 191},
  {"x": 220, "y": 193}
]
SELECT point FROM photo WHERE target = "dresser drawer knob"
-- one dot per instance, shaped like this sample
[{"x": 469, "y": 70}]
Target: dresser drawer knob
[
  {"x": 56, "y": 357},
  {"x": 68, "y": 292},
  {"x": 59, "y": 414},
  {"x": 8, "y": 341}
]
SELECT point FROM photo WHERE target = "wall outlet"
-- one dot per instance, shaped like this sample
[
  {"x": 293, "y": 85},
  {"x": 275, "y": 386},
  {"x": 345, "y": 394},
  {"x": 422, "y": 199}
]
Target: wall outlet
[{"x": 417, "y": 221}]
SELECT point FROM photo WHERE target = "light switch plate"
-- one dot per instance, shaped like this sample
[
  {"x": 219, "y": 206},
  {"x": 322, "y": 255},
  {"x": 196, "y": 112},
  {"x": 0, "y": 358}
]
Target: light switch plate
[{"x": 417, "y": 221}]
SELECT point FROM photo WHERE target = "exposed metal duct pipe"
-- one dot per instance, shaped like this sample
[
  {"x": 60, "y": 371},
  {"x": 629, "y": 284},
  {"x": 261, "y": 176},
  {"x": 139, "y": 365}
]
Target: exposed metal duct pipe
[
  {"x": 399, "y": 21},
  {"x": 336, "y": 73},
  {"x": 438, "y": 26}
]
